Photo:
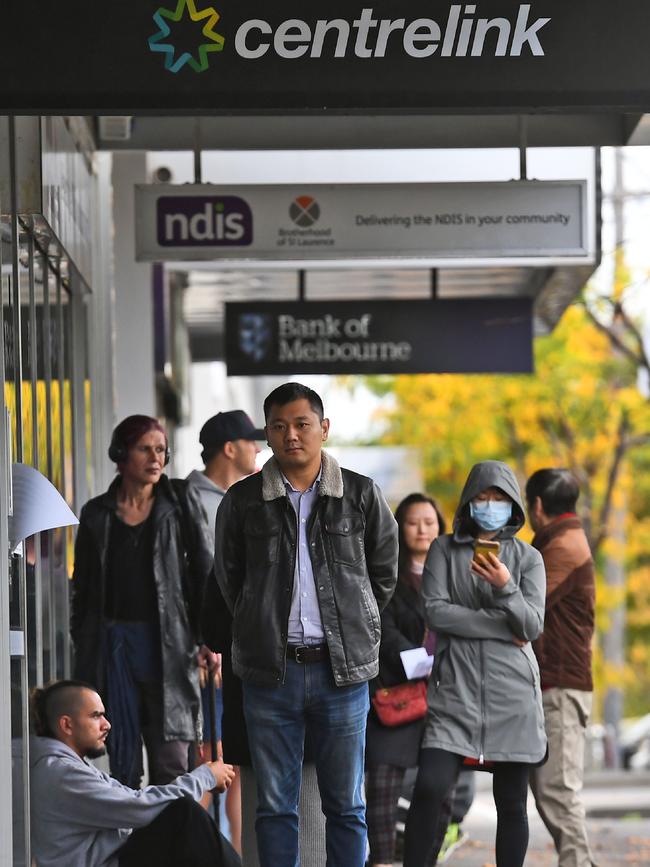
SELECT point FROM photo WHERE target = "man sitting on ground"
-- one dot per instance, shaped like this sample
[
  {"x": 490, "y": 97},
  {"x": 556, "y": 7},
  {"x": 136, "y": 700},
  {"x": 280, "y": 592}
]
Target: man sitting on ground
[{"x": 82, "y": 817}]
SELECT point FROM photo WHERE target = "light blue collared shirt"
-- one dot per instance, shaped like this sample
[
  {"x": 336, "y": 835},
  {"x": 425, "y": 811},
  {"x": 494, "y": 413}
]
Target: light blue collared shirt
[{"x": 305, "y": 624}]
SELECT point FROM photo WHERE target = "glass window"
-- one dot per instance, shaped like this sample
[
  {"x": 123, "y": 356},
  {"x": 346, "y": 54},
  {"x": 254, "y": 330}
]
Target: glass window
[
  {"x": 49, "y": 401},
  {"x": 14, "y": 284}
]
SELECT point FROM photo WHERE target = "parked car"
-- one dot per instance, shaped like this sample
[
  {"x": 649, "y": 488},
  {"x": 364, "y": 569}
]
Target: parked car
[{"x": 634, "y": 744}]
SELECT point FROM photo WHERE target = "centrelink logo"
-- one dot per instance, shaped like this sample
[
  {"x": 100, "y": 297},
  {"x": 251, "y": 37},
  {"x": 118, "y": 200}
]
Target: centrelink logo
[
  {"x": 464, "y": 33},
  {"x": 203, "y": 221},
  {"x": 212, "y": 41}
]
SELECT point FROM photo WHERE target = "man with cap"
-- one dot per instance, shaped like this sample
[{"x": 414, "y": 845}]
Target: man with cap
[{"x": 229, "y": 441}]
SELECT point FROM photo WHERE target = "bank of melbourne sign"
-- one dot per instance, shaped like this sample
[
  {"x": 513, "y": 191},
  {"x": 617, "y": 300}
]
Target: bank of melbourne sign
[
  {"x": 284, "y": 338},
  {"x": 496, "y": 222},
  {"x": 189, "y": 56}
]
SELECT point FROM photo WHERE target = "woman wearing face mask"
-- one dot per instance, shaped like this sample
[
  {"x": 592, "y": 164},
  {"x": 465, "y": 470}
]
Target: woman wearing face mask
[
  {"x": 391, "y": 750},
  {"x": 484, "y": 697}
]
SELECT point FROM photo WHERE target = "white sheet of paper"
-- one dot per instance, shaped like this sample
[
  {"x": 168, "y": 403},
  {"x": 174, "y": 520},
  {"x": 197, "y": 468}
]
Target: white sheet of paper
[
  {"x": 16, "y": 642},
  {"x": 37, "y": 505},
  {"x": 417, "y": 663}
]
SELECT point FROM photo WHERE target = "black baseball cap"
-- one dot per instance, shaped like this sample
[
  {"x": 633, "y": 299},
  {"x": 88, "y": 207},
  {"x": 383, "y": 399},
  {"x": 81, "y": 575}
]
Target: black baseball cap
[{"x": 228, "y": 426}]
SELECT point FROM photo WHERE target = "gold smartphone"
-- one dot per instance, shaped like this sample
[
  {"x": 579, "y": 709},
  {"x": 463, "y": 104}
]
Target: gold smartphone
[{"x": 485, "y": 547}]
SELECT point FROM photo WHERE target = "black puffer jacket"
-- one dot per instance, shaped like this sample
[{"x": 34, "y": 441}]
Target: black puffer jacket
[
  {"x": 182, "y": 560},
  {"x": 353, "y": 547}
]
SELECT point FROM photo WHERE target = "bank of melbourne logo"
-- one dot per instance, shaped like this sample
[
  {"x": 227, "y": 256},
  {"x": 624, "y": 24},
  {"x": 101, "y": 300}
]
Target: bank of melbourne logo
[
  {"x": 161, "y": 41},
  {"x": 203, "y": 221},
  {"x": 255, "y": 334},
  {"x": 304, "y": 211}
]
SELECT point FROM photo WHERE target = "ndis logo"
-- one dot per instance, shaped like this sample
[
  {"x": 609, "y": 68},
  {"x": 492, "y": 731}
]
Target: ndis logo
[{"x": 204, "y": 221}]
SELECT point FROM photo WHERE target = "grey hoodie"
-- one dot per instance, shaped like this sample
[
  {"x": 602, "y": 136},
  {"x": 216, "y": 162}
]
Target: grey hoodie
[
  {"x": 484, "y": 693},
  {"x": 81, "y": 816},
  {"x": 211, "y": 496}
]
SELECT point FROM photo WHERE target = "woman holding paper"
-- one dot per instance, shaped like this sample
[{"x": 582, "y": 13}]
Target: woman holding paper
[
  {"x": 485, "y": 703},
  {"x": 391, "y": 750}
]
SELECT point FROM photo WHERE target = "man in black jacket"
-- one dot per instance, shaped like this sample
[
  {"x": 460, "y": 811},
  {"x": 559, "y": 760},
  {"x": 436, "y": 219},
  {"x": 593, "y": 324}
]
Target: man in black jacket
[{"x": 306, "y": 558}]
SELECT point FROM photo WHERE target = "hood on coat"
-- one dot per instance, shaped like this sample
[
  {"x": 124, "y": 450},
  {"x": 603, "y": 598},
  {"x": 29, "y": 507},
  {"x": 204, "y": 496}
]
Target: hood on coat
[
  {"x": 199, "y": 480},
  {"x": 490, "y": 474},
  {"x": 44, "y": 747}
]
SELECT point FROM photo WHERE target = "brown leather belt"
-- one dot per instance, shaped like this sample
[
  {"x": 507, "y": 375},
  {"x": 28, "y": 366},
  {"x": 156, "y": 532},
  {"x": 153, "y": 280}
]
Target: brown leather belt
[{"x": 305, "y": 653}]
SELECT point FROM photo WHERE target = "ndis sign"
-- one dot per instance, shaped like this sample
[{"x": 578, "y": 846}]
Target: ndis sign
[
  {"x": 203, "y": 221},
  {"x": 421, "y": 223}
]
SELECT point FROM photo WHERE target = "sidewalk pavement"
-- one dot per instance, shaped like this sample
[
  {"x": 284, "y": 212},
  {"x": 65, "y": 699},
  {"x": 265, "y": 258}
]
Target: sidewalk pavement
[{"x": 618, "y": 820}]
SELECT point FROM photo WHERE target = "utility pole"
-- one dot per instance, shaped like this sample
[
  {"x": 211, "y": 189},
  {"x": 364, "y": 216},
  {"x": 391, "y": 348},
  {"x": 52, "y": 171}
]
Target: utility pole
[{"x": 613, "y": 641}]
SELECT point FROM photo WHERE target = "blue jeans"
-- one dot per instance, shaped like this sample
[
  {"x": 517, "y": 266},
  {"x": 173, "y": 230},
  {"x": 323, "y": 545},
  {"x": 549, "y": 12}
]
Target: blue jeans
[{"x": 308, "y": 704}]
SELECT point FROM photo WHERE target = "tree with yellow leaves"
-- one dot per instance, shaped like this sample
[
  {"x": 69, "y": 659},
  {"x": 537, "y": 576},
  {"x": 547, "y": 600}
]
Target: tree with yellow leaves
[{"x": 581, "y": 409}]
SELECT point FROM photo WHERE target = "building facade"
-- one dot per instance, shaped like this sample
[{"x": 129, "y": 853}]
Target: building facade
[{"x": 56, "y": 317}]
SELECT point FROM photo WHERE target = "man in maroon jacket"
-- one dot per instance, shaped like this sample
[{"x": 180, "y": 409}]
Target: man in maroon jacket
[{"x": 564, "y": 656}]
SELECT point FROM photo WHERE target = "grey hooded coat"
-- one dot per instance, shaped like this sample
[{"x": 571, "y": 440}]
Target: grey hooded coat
[{"x": 484, "y": 693}]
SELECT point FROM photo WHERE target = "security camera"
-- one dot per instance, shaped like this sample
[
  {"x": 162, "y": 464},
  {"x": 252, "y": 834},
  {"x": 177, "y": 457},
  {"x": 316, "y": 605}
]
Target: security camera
[{"x": 162, "y": 175}]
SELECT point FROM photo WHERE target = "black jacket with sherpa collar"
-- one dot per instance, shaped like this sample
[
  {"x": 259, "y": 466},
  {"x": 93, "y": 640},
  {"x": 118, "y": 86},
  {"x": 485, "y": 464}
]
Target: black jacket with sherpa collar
[{"x": 353, "y": 548}]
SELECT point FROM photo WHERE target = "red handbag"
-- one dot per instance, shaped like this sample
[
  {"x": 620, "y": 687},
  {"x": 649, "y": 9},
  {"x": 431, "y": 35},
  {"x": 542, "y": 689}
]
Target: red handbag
[{"x": 396, "y": 705}]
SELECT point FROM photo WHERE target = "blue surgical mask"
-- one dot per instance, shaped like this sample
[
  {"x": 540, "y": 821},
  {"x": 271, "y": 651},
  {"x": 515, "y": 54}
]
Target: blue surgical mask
[{"x": 491, "y": 514}]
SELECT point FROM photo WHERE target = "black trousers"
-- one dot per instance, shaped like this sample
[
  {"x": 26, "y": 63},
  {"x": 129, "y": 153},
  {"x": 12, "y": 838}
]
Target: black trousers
[
  {"x": 183, "y": 835},
  {"x": 167, "y": 759},
  {"x": 437, "y": 774}
]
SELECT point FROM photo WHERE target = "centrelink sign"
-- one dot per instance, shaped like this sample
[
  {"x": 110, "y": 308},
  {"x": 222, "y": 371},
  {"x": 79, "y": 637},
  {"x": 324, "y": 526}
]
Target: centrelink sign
[
  {"x": 462, "y": 33},
  {"x": 224, "y": 56}
]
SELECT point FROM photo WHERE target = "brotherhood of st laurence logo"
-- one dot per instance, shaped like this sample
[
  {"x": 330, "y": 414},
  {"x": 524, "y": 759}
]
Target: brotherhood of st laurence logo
[{"x": 161, "y": 41}]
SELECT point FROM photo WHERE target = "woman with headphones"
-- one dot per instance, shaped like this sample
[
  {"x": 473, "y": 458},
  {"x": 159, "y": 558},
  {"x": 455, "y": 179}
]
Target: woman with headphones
[{"x": 142, "y": 557}]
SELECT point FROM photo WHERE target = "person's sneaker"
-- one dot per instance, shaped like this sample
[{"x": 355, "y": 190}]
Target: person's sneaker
[{"x": 454, "y": 838}]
